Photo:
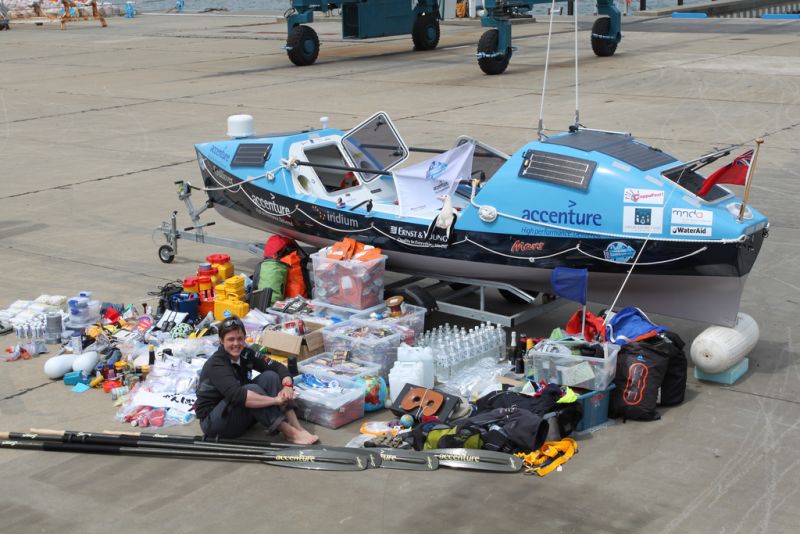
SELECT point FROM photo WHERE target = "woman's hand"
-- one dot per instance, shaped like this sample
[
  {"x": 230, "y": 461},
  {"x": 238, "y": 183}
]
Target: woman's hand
[{"x": 287, "y": 393}]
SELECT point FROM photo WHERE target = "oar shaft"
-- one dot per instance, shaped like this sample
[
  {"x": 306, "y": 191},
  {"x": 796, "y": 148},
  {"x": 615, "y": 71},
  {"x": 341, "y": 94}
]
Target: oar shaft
[
  {"x": 68, "y": 436},
  {"x": 243, "y": 445},
  {"x": 300, "y": 458}
]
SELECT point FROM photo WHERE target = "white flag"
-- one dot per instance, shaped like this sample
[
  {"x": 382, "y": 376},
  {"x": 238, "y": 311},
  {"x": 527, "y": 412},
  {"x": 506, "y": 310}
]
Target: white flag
[{"x": 418, "y": 186}]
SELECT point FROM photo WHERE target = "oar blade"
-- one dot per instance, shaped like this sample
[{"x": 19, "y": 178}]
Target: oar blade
[
  {"x": 477, "y": 459},
  {"x": 317, "y": 459},
  {"x": 407, "y": 460}
]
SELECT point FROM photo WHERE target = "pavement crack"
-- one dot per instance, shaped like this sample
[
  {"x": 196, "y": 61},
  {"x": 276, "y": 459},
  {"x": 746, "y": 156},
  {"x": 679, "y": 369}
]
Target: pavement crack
[
  {"x": 79, "y": 112},
  {"x": 27, "y": 390},
  {"x": 87, "y": 263},
  {"x": 100, "y": 179},
  {"x": 761, "y": 395}
]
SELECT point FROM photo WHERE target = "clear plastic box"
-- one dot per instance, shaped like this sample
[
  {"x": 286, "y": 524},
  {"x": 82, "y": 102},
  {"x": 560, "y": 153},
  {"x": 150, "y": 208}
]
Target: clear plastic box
[
  {"x": 413, "y": 317},
  {"x": 330, "y": 408},
  {"x": 351, "y": 284},
  {"x": 576, "y": 371},
  {"x": 324, "y": 313},
  {"x": 368, "y": 342},
  {"x": 326, "y": 366}
]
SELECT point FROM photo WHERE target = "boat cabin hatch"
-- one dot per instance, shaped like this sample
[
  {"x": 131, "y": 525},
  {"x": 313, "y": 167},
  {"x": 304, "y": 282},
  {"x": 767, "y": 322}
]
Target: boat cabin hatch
[
  {"x": 375, "y": 145},
  {"x": 691, "y": 181}
]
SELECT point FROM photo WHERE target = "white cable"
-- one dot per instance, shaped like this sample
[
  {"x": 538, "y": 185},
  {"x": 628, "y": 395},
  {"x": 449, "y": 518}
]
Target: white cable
[
  {"x": 531, "y": 259},
  {"x": 698, "y": 251},
  {"x": 546, "y": 64},
  {"x": 237, "y": 184},
  {"x": 609, "y": 234}
]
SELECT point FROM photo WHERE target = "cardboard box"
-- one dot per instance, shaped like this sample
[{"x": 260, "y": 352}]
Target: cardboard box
[{"x": 303, "y": 347}]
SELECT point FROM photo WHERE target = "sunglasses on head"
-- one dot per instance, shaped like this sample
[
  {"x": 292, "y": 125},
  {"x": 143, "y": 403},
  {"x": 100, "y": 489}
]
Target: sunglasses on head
[{"x": 232, "y": 322}]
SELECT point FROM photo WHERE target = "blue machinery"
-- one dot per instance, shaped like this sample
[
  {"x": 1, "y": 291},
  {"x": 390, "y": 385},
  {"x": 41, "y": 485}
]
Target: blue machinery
[{"x": 362, "y": 19}]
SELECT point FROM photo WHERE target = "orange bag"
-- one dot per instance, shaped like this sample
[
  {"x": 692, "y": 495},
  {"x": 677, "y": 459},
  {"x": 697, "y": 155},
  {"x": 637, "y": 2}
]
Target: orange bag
[{"x": 295, "y": 283}]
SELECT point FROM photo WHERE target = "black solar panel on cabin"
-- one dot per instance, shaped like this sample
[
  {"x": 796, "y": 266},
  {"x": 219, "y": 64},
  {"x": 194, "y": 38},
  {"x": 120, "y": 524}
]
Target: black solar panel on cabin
[
  {"x": 619, "y": 146},
  {"x": 586, "y": 140},
  {"x": 251, "y": 155},
  {"x": 640, "y": 156},
  {"x": 558, "y": 169}
]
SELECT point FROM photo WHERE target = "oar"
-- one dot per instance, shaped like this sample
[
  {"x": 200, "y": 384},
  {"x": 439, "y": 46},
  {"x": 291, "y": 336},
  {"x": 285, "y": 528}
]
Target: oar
[
  {"x": 408, "y": 460},
  {"x": 388, "y": 458},
  {"x": 373, "y": 458},
  {"x": 477, "y": 459},
  {"x": 74, "y": 436},
  {"x": 300, "y": 458}
]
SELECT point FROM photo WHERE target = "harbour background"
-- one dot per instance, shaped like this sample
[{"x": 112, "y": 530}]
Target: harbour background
[{"x": 585, "y": 7}]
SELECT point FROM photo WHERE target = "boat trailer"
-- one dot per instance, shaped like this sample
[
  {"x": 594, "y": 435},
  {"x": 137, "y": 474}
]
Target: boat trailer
[{"x": 364, "y": 19}]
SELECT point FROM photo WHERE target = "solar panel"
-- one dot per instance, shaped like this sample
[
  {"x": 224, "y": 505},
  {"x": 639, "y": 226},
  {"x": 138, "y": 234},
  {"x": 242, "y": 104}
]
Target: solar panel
[
  {"x": 556, "y": 168},
  {"x": 641, "y": 156},
  {"x": 586, "y": 140},
  {"x": 251, "y": 155},
  {"x": 619, "y": 146}
]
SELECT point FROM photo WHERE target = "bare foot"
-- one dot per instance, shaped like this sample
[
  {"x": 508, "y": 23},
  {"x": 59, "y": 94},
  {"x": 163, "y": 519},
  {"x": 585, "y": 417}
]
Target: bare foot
[{"x": 302, "y": 437}]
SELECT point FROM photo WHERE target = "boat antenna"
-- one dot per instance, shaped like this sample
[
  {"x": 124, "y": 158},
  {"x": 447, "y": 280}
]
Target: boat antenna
[
  {"x": 546, "y": 64},
  {"x": 577, "y": 112}
]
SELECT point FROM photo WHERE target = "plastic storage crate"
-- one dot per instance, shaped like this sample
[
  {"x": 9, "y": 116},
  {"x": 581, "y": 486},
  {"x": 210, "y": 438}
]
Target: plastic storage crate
[
  {"x": 595, "y": 408},
  {"x": 328, "y": 366},
  {"x": 330, "y": 407},
  {"x": 351, "y": 284},
  {"x": 576, "y": 371},
  {"x": 368, "y": 342},
  {"x": 413, "y": 317},
  {"x": 323, "y": 313}
]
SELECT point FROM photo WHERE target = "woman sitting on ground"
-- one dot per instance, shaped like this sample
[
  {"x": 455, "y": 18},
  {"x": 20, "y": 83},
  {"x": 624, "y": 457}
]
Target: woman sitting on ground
[{"x": 229, "y": 401}]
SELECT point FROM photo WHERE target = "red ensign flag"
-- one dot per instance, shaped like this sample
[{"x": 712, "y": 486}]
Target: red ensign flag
[{"x": 734, "y": 172}]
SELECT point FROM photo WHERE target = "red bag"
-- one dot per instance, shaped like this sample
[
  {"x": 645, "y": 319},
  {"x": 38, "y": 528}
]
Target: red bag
[
  {"x": 594, "y": 328},
  {"x": 278, "y": 246}
]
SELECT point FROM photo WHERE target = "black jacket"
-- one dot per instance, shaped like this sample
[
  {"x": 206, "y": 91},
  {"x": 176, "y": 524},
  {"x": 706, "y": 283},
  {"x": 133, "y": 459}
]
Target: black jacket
[{"x": 221, "y": 379}]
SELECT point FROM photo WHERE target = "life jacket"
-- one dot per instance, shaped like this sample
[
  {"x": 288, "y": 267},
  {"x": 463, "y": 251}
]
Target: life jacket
[{"x": 549, "y": 456}]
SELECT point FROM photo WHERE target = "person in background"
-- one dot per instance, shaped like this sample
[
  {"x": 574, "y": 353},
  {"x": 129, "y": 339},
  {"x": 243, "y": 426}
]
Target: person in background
[{"x": 229, "y": 401}]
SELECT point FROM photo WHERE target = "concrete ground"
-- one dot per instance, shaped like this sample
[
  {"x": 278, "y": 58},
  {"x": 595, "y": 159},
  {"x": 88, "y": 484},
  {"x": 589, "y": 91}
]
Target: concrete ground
[{"x": 97, "y": 123}]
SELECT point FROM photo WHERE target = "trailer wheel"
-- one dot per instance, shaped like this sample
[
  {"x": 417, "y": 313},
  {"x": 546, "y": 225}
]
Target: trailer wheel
[
  {"x": 166, "y": 254},
  {"x": 425, "y": 33},
  {"x": 602, "y": 47},
  {"x": 488, "y": 45},
  {"x": 302, "y": 45}
]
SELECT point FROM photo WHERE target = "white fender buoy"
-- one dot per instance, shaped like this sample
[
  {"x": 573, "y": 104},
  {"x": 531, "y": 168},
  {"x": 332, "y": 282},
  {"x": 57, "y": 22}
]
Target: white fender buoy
[
  {"x": 85, "y": 362},
  {"x": 57, "y": 366},
  {"x": 718, "y": 348}
]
